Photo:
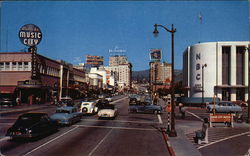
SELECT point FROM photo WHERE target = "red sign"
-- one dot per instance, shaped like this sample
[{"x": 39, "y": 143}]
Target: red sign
[{"x": 168, "y": 108}]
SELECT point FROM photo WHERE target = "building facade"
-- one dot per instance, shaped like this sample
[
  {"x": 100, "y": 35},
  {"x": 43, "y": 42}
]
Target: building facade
[
  {"x": 53, "y": 78},
  {"x": 160, "y": 75},
  {"x": 123, "y": 73},
  {"x": 94, "y": 61},
  {"x": 116, "y": 60},
  {"x": 225, "y": 74}
]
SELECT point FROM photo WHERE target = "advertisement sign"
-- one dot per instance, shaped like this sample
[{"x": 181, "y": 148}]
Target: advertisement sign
[
  {"x": 30, "y": 35},
  {"x": 155, "y": 54}
]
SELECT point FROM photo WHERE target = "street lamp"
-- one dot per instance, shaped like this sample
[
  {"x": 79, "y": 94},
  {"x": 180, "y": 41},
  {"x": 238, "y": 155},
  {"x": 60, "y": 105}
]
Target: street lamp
[
  {"x": 203, "y": 66},
  {"x": 172, "y": 31}
]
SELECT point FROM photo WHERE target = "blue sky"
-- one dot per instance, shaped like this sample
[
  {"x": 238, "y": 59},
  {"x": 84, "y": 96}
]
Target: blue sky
[{"x": 73, "y": 29}]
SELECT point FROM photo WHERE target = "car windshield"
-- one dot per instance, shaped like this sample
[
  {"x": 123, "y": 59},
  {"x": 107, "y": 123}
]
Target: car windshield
[{"x": 62, "y": 111}]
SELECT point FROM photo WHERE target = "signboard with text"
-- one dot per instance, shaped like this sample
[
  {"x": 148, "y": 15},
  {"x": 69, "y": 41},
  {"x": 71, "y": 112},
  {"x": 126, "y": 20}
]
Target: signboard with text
[
  {"x": 155, "y": 54},
  {"x": 30, "y": 35}
]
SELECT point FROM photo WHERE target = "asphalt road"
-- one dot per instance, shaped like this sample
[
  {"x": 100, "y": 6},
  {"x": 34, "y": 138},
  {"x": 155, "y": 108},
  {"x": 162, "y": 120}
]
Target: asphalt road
[{"x": 128, "y": 134}]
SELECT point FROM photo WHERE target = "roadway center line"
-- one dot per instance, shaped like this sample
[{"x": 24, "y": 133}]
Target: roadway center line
[
  {"x": 122, "y": 128},
  {"x": 50, "y": 141},
  {"x": 195, "y": 116},
  {"x": 93, "y": 150},
  {"x": 118, "y": 100},
  {"x": 159, "y": 118},
  {"x": 233, "y": 136}
]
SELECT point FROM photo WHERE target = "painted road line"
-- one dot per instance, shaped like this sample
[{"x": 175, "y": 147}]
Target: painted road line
[
  {"x": 159, "y": 118},
  {"x": 122, "y": 128},
  {"x": 237, "y": 135},
  {"x": 100, "y": 143},
  {"x": 51, "y": 141},
  {"x": 123, "y": 121},
  {"x": 5, "y": 138},
  {"x": 118, "y": 100},
  {"x": 195, "y": 116}
]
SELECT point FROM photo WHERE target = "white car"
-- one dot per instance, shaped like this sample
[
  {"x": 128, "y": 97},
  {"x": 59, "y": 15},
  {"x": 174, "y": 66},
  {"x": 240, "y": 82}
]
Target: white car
[
  {"x": 109, "y": 111},
  {"x": 88, "y": 107}
]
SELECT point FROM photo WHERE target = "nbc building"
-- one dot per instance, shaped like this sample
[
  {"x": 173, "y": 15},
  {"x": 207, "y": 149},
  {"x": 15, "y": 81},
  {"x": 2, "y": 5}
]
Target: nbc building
[{"x": 220, "y": 68}]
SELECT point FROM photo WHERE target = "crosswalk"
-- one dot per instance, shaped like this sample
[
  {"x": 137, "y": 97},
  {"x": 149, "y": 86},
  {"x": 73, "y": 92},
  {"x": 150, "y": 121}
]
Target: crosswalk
[{"x": 217, "y": 133}]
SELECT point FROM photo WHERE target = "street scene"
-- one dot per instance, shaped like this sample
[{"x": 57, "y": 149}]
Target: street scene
[{"x": 124, "y": 78}]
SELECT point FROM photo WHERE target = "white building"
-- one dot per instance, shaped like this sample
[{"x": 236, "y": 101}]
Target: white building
[
  {"x": 226, "y": 74},
  {"x": 123, "y": 74},
  {"x": 101, "y": 71}
]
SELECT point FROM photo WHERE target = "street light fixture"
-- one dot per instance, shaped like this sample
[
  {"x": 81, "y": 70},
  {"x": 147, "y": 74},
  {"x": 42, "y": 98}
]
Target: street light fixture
[
  {"x": 203, "y": 66},
  {"x": 172, "y": 31}
]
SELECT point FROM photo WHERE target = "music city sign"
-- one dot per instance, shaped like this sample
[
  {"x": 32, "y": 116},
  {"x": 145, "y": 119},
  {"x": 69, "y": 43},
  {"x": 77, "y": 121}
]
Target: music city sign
[
  {"x": 198, "y": 86},
  {"x": 30, "y": 35}
]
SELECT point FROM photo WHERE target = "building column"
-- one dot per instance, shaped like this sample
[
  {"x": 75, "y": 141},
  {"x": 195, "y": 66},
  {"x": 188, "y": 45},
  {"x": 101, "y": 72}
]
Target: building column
[
  {"x": 219, "y": 93},
  {"x": 233, "y": 94},
  {"x": 233, "y": 66},
  {"x": 246, "y": 94},
  {"x": 246, "y": 68}
]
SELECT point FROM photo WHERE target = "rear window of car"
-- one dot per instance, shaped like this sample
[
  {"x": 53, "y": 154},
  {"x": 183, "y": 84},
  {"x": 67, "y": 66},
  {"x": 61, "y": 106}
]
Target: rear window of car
[{"x": 62, "y": 111}]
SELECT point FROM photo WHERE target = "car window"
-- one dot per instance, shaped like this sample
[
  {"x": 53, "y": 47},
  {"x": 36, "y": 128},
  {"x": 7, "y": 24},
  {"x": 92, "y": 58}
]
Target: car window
[{"x": 62, "y": 111}]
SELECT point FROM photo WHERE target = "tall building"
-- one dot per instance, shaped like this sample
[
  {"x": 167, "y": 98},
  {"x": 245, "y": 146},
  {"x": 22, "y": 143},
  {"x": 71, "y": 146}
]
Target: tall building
[
  {"x": 123, "y": 73},
  {"x": 116, "y": 60},
  {"x": 160, "y": 75},
  {"x": 226, "y": 72},
  {"x": 94, "y": 61}
]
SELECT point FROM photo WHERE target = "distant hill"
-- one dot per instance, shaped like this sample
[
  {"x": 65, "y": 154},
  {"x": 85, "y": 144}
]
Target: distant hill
[{"x": 144, "y": 75}]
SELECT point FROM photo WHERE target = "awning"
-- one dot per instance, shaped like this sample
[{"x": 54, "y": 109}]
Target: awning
[{"x": 7, "y": 89}]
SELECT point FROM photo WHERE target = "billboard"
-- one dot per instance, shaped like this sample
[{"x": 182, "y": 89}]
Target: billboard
[{"x": 155, "y": 54}]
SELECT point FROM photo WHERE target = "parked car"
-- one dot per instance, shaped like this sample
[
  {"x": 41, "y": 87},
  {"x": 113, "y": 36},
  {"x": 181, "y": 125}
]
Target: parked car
[
  {"x": 88, "y": 107},
  {"x": 66, "y": 115},
  {"x": 31, "y": 125},
  {"x": 145, "y": 108},
  {"x": 224, "y": 107},
  {"x": 109, "y": 111}
]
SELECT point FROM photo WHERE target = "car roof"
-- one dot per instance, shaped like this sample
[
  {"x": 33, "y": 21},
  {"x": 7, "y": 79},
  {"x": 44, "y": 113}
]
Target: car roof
[{"x": 65, "y": 108}]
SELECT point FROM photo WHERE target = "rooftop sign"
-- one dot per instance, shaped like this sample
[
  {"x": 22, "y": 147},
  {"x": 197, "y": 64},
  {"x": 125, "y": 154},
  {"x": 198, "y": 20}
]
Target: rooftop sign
[{"x": 30, "y": 35}]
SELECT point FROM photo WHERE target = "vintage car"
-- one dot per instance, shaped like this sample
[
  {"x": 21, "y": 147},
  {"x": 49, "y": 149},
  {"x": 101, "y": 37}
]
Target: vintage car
[
  {"x": 31, "y": 125},
  {"x": 66, "y": 115},
  {"x": 145, "y": 108},
  {"x": 108, "y": 111},
  {"x": 224, "y": 107},
  {"x": 88, "y": 107}
]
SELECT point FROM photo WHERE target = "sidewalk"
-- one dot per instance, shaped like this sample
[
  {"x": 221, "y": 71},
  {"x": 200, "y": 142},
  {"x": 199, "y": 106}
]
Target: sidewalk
[{"x": 23, "y": 107}]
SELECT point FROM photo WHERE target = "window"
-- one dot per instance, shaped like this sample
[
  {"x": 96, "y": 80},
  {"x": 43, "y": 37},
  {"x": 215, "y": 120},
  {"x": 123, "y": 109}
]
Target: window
[
  {"x": 226, "y": 65},
  {"x": 26, "y": 65},
  {"x": 14, "y": 66},
  {"x": 240, "y": 65},
  {"x": 7, "y": 66},
  {"x": 1, "y": 66},
  {"x": 20, "y": 65}
]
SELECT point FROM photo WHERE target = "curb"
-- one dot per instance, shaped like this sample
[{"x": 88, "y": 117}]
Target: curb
[
  {"x": 169, "y": 147},
  {"x": 22, "y": 109}
]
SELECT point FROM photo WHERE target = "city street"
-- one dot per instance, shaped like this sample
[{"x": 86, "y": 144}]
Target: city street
[{"x": 128, "y": 134}]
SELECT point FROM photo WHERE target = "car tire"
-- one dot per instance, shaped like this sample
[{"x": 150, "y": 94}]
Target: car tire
[{"x": 84, "y": 110}]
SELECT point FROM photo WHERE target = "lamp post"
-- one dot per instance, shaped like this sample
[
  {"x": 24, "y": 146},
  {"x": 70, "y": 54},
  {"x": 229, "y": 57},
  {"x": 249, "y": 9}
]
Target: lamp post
[
  {"x": 172, "y": 31},
  {"x": 203, "y": 66}
]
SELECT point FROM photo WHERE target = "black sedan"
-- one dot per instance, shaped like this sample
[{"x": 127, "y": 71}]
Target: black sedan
[{"x": 32, "y": 125}]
